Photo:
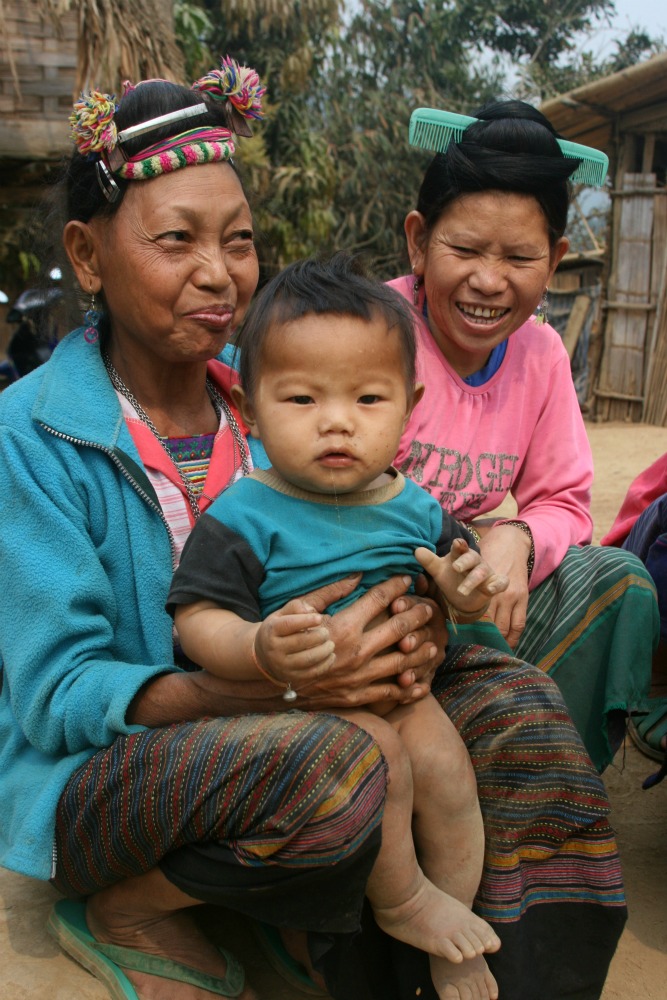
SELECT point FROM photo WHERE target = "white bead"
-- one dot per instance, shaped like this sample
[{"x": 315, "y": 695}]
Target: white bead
[{"x": 289, "y": 694}]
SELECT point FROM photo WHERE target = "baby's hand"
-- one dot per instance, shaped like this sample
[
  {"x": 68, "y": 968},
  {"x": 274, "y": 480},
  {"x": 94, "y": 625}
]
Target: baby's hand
[
  {"x": 462, "y": 576},
  {"x": 294, "y": 646}
]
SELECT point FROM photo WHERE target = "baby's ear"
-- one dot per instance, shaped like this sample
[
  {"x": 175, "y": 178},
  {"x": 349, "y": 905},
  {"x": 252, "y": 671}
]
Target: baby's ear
[
  {"x": 244, "y": 406},
  {"x": 417, "y": 394}
]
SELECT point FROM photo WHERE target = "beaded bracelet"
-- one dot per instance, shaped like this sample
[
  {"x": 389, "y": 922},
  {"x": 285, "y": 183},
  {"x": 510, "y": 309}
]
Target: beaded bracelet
[
  {"x": 289, "y": 694},
  {"x": 473, "y": 531},
  {"x": 526, "y": 530}
]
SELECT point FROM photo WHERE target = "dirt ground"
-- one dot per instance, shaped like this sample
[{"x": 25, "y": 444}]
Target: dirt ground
[{"x": 32, "y": 968}]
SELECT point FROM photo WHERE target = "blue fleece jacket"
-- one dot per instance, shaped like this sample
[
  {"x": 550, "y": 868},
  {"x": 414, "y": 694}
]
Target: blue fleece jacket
[{"x": 85, "y": 567}]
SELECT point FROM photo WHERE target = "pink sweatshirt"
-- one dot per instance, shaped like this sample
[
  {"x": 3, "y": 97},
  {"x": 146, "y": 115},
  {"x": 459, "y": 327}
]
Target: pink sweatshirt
[{"x": 520, "y": 433}]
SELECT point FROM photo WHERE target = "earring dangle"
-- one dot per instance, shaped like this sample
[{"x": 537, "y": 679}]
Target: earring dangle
[
  {"x": 416, "y": 287},
  {"x": 542, "y": 314},
  {"x": 91, "y": 318}
]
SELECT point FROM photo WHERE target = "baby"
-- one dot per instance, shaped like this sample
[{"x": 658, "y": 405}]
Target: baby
[{"x": 328, "y": 384}]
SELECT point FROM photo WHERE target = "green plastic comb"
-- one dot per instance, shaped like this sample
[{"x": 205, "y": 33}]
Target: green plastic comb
[
  {"x": 594, "y": 163},
  {"x": 434, "y": 130}
]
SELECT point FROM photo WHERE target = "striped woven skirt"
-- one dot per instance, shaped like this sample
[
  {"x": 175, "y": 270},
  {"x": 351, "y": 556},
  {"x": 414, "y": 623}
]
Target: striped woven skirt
[
  {"x": 592, "y": 625},
  {"x": 552, "y": 885},
  {"x": 277, "y": 817},
  {"x": 286, "y": 805}
]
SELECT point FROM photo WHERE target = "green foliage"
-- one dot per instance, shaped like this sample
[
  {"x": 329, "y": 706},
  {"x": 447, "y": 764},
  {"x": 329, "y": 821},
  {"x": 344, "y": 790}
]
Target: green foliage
[
  {"x": 29, "y": 264},
  {"x": 638, "y": 45},
  {"x": 396, "y": 55},
  {"x": 540, "y": 31},
  {"x": 547, "y": 79},
  {"x": 331, "y": 166},
  {"x": 21, "y": 236},
  {"x": 192, "y": 27}
]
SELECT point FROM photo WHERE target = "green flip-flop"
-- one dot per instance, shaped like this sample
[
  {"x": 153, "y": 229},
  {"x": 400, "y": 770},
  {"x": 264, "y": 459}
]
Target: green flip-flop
[
  {"x": 648, "y": 726},
  {"x": 271, "y": 944},
  {"x": 67, "y": 924}
]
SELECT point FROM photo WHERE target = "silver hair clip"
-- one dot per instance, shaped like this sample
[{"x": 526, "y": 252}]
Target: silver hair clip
[
  {"x": 106, "y": 181},
  {"x": 152, "y": 123}
]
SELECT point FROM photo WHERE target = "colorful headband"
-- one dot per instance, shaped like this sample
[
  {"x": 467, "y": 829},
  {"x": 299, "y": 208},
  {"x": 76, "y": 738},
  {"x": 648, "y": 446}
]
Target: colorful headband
[
  {"x": 237, "y": 88},
  {"x": 435, "y": 130},
  {"x": 204, "y": 145}
]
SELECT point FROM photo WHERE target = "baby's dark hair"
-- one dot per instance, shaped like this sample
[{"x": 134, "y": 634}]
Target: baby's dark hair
[
  {"x": 339, "y": 285},
  {"x": 512, "y": 147}
]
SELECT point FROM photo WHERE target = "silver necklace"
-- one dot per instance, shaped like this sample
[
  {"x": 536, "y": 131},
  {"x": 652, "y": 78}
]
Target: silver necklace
[{"x": 220, "y": 405}]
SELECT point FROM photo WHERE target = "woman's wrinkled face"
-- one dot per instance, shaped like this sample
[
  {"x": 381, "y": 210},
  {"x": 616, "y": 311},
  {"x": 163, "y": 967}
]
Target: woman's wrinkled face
[
  {"x": 485, "y": 264},
  {"x": 177, "y": 263}
]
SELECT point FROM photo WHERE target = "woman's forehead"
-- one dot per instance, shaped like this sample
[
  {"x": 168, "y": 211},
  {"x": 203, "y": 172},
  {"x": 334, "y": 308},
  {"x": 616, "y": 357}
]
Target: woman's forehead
[
  {"x": 496, "y": 214},
  {"x": 213, "y": 188}
]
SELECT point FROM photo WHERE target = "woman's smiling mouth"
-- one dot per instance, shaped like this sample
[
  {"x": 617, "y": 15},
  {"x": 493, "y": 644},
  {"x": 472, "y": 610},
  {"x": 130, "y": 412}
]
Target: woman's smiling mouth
[{"x": 482, "y": 314}]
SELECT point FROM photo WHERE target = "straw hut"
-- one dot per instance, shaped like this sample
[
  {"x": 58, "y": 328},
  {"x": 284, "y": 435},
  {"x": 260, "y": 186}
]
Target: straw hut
[
  {"x": 625, "y": 115},
  {"x": 49, "y": 51}
]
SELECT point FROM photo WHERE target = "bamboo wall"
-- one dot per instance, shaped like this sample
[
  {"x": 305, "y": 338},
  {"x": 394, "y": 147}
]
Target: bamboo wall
[
  {"x": 632, "y": 383},
  {"x": 655, "y": 404},
  {"x": 37, "y": 76}
]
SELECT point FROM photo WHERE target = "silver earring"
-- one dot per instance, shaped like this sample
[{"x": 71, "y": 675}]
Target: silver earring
[
  {"x": 542, "y": 314},
  {"x": 416, "y": 287}
]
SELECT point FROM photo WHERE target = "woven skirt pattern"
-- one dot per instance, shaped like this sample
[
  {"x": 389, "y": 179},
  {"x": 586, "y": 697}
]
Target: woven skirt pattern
[
  {"x": 545, "y": 808},
  {"x": 293, "y": 790},
  {"x": 592, "y": 625}
]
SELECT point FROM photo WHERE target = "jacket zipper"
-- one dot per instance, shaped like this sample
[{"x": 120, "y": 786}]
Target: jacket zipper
[
  {"x": 130, "y": 479},
  {"x": 144, "y": 496}
]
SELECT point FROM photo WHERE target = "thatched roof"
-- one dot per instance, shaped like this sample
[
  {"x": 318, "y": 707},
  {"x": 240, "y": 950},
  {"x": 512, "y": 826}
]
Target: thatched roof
[
  {"x": 633, "y": 100},
  {"x": 121, "y": 40}
]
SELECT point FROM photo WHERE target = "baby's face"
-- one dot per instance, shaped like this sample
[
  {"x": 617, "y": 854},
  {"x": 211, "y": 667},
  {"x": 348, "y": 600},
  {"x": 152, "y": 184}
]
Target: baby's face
[{"x": 331, "y": 401}]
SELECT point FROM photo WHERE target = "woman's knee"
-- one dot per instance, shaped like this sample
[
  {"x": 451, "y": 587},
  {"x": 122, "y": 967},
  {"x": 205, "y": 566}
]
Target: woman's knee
[{"x": 316, "y": 788}]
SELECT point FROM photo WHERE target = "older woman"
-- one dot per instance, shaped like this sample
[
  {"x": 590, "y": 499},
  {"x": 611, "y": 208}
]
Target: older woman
[
  {"x": 127, "y": 778},
  {"x": 500, "y": 416}
]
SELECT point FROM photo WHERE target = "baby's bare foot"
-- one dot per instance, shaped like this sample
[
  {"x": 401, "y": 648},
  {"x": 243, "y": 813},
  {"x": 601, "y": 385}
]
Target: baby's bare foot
[
  {"x": 438, "y": 924},
  {"x": 469, "y": 980}
]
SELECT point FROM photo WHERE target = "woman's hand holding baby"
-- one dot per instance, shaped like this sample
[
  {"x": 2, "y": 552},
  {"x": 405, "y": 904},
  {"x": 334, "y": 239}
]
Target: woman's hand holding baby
[{"x": 390, "y": 660}]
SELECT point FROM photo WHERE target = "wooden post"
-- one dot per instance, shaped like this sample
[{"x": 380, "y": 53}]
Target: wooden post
[
  {"x": 621, "y": 383},
  {"x": 575, "y": 323}
]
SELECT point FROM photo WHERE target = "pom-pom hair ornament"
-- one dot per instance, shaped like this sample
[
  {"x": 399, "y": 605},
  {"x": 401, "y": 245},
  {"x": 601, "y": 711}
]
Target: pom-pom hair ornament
[
  {"x": 95, "y": 134},
  {"x": 92, "y": 124},
  {"x": 239, "y": 84}
]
